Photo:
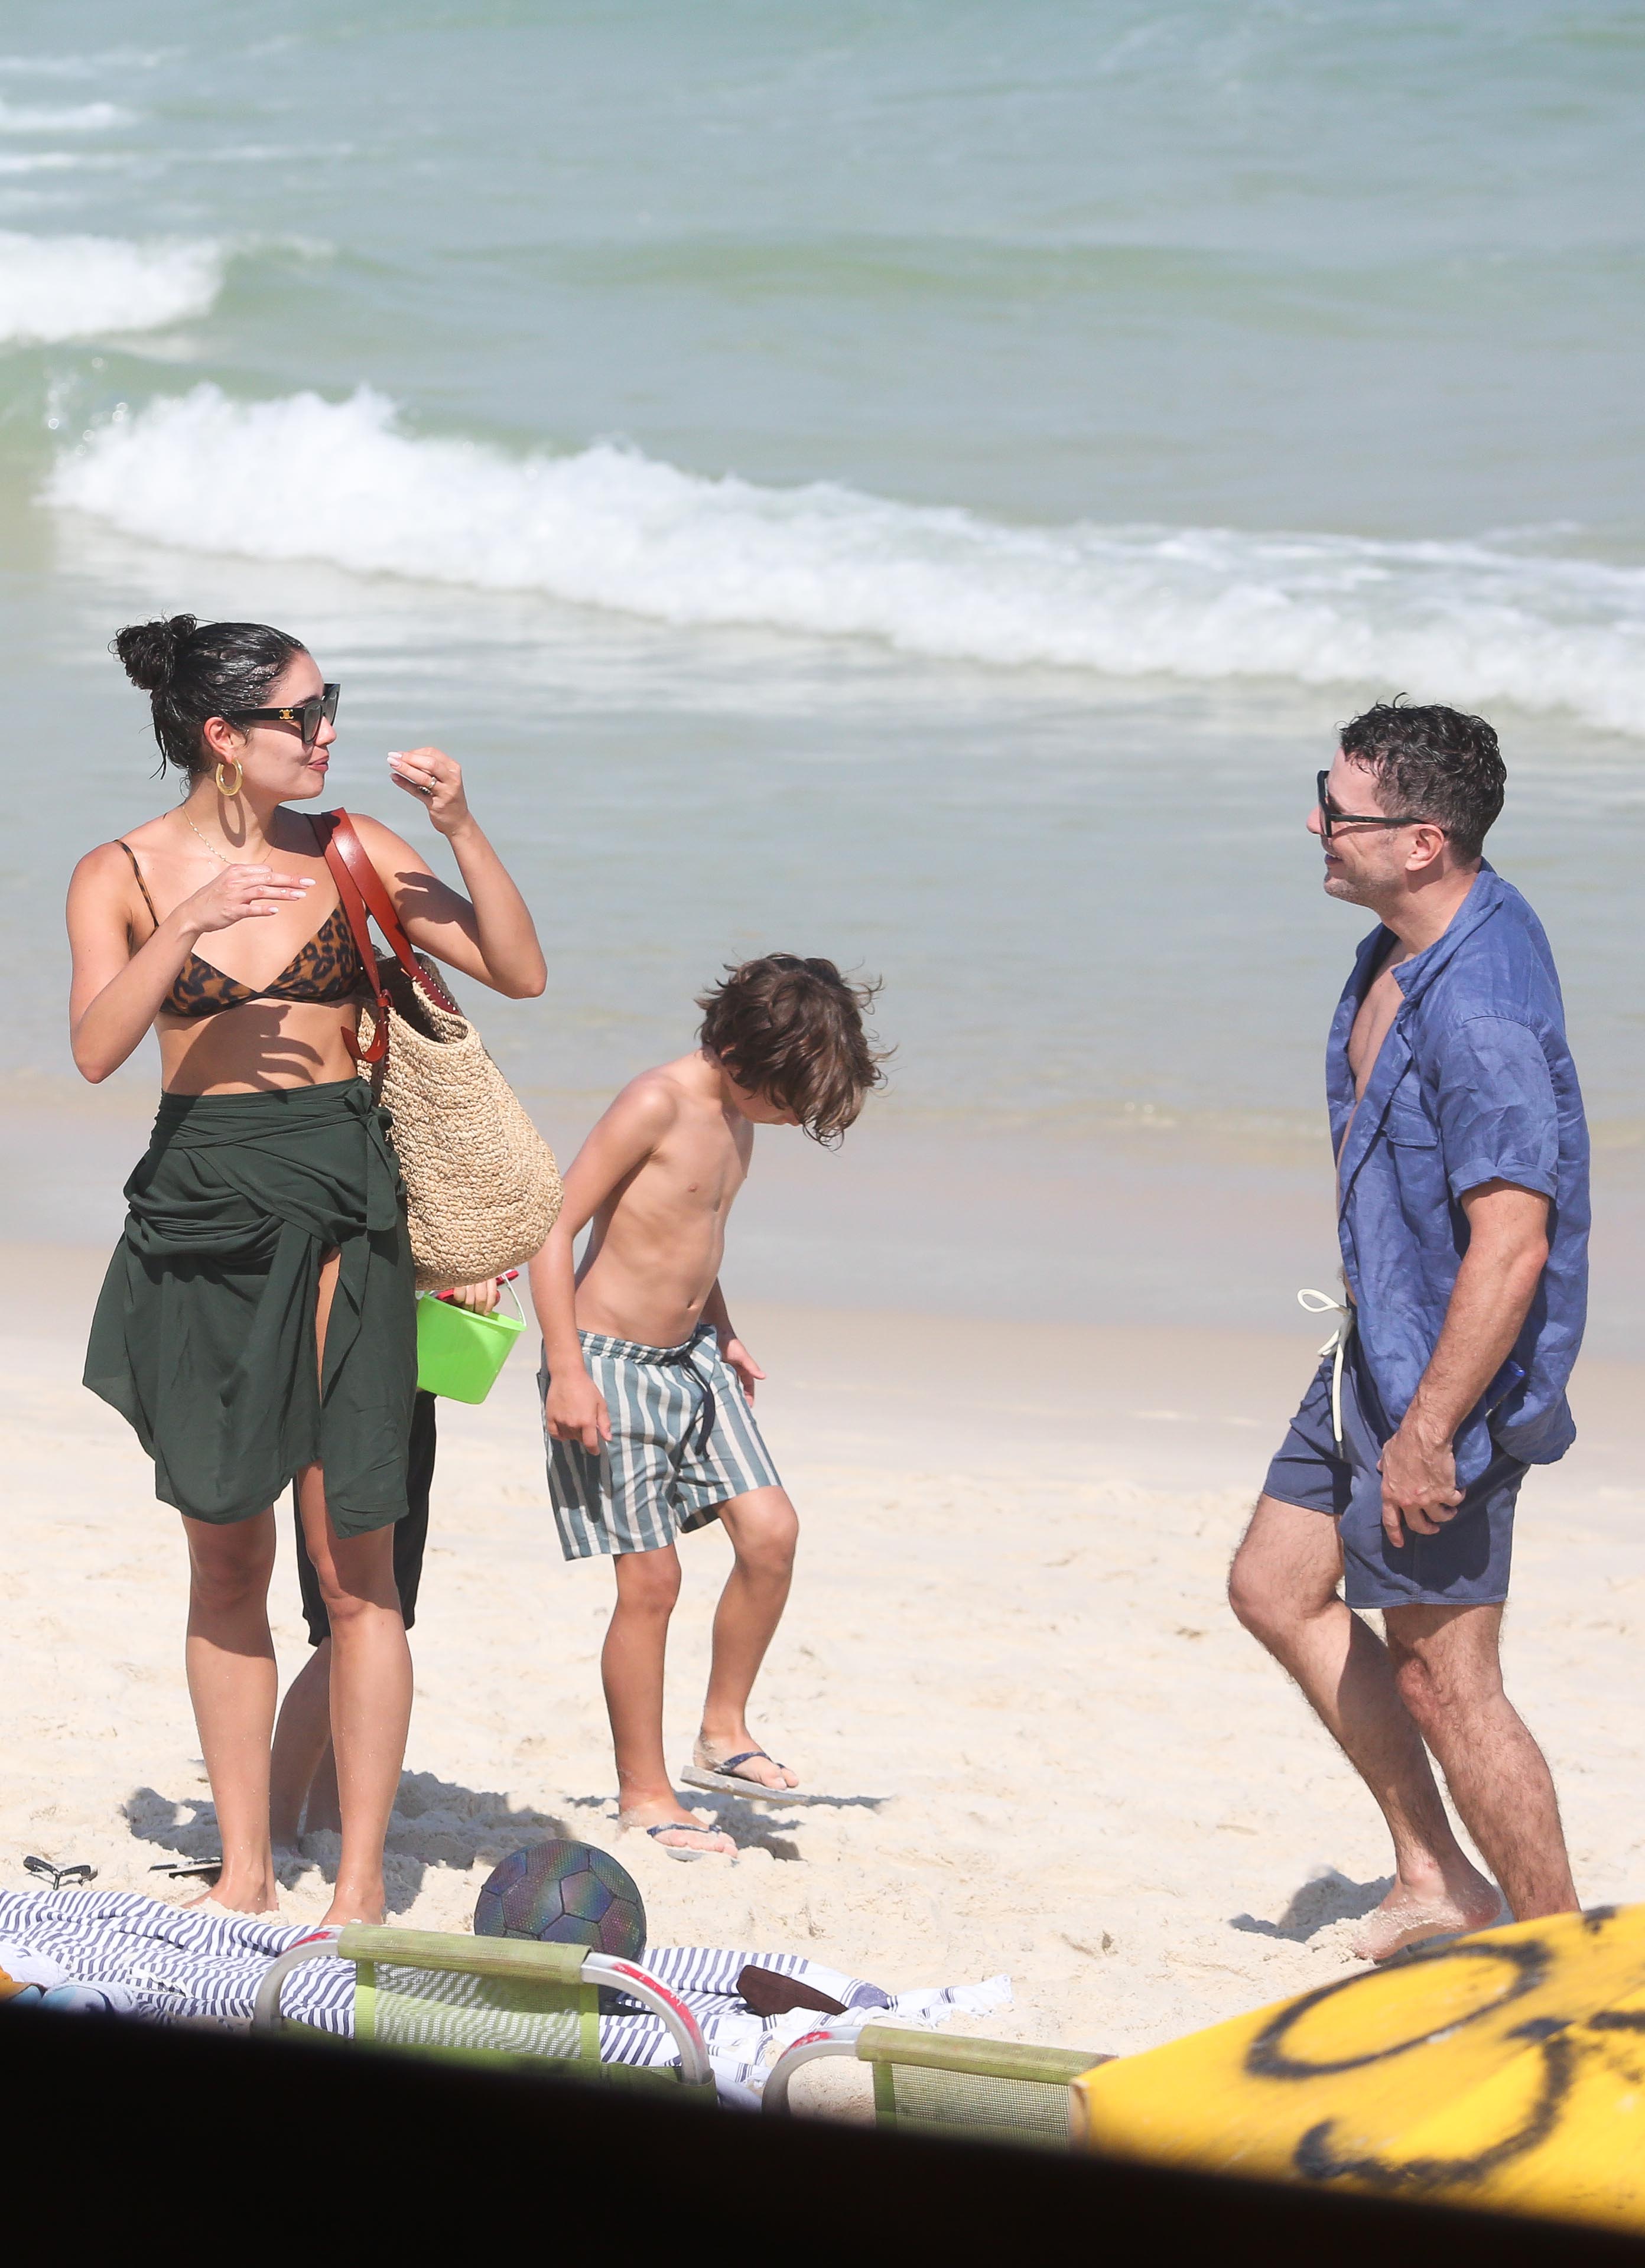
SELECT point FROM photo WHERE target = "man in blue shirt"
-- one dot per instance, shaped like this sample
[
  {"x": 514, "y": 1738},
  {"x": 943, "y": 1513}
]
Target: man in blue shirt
[{"x": 1462, "y": 1191}]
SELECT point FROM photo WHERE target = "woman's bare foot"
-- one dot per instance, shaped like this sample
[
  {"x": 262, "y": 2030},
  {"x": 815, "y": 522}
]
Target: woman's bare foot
[
  {"x": 710, "y": 1755},
  {"x": 263, "y": 1907},
  {"x": 245, "y": 1884},
  {"x": 679, "y": 1830},
  {"x": 372, "y": 1909},
  {"x": 1408, "y": 1917}
]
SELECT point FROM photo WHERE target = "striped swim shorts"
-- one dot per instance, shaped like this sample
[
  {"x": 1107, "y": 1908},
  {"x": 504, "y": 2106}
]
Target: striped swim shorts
[{"x": 684, "y": 1440}]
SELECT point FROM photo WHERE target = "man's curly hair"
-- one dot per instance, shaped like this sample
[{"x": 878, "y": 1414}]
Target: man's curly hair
[
  {"x": 1435, "y": 764},
  {"x": 792, "y": 1030}
]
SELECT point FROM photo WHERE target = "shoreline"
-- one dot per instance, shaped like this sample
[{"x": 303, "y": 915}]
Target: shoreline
[{"x": 1146, "y": 1224}]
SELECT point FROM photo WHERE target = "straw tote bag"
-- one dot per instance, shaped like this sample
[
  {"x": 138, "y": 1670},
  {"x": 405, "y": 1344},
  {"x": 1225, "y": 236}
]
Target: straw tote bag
[{"x": 482, "y": 1187}]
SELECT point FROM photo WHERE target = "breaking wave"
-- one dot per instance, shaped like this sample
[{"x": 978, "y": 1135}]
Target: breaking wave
[
  {"x": 78, "y": 287},
  {"x": 1467, "y": 621}
]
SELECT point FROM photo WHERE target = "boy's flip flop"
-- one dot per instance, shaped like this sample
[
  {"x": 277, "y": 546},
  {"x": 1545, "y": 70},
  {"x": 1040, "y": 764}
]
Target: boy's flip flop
[
  {"x": 681, "y": 1827},
  {"x": 726, "y": 1780}
]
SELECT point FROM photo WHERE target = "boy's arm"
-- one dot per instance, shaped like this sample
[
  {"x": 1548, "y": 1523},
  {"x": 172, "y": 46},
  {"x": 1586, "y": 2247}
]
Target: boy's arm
[
  {"x": 716, "y": 1312},
  {"x": 575, "y": 1409}
]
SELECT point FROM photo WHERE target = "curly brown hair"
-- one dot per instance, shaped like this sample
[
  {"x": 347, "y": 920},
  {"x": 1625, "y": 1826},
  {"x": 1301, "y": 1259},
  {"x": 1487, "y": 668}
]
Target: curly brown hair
[
  {"x": 1439, "y": 764},
  {"x": 791, "y": 1030}
]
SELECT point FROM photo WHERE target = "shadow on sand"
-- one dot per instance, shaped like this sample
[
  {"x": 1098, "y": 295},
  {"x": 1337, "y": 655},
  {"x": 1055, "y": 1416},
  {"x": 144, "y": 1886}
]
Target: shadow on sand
[
  {"x": 438, "y": 1824},
  {"x": 1324, "y": 1898}
]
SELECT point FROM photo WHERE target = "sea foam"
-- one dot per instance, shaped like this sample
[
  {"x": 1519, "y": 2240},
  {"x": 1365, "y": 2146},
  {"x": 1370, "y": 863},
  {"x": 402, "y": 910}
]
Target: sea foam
[
  {"x": 1472, "y": 622},
  {"x": 73, "y": 118},
  {"x": 77, "y": 287}
]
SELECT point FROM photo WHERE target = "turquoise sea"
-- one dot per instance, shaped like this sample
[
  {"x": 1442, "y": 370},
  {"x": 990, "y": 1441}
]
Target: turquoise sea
[{"x": 916, "y": 482}]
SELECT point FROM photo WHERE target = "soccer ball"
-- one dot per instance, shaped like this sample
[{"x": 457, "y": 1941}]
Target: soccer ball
[{"x": 564, "y": 1894}]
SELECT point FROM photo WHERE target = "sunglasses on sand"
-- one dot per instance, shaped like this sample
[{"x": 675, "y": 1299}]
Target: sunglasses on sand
[
  {"x": 305, "y": 714},
  {"x": 1330, "y": 818}
]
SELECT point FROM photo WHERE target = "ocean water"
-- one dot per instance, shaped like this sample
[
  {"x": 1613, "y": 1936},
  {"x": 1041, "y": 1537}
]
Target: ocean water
[{"x": 916, "y": 481}]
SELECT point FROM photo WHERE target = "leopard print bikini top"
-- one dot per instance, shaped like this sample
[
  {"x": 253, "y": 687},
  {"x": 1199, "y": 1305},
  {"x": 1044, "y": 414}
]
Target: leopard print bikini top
[{"x": 326, "y": 969}]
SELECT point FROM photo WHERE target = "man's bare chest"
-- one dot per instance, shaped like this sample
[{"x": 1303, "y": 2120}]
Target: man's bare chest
[{"x": 1371, "y": 1027}]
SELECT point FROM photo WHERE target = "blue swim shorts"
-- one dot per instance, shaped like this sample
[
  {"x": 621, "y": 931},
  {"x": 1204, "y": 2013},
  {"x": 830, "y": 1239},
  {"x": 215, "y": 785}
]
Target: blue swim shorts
[{"x": 1465, "y": 1564}]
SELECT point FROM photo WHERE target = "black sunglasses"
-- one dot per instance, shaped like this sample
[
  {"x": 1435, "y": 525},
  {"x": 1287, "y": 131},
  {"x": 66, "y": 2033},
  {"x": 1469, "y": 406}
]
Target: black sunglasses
[
  {"x": 1330, "y": 818},
  {"x": 307, "y": 714}
]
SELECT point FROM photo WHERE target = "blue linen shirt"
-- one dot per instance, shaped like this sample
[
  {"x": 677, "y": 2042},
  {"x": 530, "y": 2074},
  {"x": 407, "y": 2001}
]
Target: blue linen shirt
[{"x": 1473, "y": 1083}]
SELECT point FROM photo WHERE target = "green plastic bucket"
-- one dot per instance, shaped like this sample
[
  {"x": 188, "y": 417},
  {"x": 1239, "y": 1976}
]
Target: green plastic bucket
[{"x": 459, "y": 1353}]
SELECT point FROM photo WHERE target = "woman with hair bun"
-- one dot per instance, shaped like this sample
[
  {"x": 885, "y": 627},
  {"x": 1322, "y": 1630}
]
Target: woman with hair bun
[{"x": 257, "y": 1323}]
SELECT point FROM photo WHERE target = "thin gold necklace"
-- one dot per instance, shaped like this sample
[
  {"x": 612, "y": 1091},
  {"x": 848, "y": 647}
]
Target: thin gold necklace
[{"x": 211, "y": 847}]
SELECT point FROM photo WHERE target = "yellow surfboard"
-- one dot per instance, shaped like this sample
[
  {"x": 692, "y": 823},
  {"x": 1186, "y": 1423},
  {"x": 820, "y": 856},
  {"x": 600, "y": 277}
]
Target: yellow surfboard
[{"x": 1506, "y": 2070}]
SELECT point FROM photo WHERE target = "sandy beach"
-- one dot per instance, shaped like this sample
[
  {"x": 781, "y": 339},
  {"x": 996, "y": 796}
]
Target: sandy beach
[{"x": 1008, "y": 1658}]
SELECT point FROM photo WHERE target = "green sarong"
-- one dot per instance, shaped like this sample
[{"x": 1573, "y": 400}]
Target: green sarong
[{"x": 204, "y": 1331}]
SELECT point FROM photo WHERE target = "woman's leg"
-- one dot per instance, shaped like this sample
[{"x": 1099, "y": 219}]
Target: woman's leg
[
  {"x": 232, "y": 1683},
  {"x": 370, "y": 1671},
  {"x": 371, "y": 1693}
]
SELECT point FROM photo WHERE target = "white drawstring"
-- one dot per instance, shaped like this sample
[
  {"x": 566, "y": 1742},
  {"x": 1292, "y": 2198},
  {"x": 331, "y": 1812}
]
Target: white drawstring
[{"x": 1321, "y": 1303}]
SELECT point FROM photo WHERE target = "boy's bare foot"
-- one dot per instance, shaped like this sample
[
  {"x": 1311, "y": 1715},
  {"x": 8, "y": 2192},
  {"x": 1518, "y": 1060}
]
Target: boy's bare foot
[
  {"x": 672, "y": 1828},
  {"x": 751, "y": 1761},
  {"x": 1408, "y": 1917}
]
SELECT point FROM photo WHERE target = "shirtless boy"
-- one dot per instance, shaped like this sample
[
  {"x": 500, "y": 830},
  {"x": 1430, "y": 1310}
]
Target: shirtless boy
[{"x": 648, "y": 1391}]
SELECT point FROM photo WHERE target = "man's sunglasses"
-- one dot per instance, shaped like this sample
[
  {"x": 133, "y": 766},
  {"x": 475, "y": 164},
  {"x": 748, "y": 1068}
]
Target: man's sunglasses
[
  {"x": 1330, "y": 818},
  {"x": 305, "y": 714}
]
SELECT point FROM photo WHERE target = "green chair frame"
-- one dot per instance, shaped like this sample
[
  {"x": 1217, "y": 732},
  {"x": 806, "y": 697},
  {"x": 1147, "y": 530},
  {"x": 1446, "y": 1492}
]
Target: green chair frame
[
  {"x": 928, "y": 2082},
  {"x": 530, "y": 1977}
]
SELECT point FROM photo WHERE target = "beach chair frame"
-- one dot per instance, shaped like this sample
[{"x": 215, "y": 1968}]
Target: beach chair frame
[
  {"x": 556, "y": 1969},
  {"x": 999, "y": 2090}
]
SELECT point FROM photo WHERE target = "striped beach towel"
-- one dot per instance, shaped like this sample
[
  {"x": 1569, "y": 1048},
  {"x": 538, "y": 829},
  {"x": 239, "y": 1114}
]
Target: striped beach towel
[{"x": 175, "y": 1964}]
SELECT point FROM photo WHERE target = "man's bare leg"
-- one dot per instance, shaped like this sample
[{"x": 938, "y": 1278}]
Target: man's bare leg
[
  {"x": 631, "y": 1671},
  {"x": 302, "y": 1738},
  {"x": 1447, "y": 1666},
  {"x": 233, "y": 1685},
  {"x": 1283, "y": 1588},
  {"x": 764, "y": 1530}
]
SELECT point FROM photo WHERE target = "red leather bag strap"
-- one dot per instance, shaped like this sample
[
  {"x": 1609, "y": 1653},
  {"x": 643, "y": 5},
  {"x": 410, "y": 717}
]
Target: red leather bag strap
[
  {"x": 360, "y": 892},
  {"x": 325, "y": 826}
]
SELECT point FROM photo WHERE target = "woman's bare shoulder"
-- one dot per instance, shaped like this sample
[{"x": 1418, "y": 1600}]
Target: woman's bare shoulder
[
  {"x": 108, "y": 862},
  {"x": 157, "y": 836},
  {"x": 103, "y": 885},
  {"x": 383, "y": 847},
  {"x": 109, "y": 867}
]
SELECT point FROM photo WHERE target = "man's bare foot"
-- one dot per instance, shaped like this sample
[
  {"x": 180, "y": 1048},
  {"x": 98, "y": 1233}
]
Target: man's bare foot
[
  {"x": 1408, "y": 1917},
  {"x": 752, "y": 1762},
  {"x": 672, "y": 1828}
]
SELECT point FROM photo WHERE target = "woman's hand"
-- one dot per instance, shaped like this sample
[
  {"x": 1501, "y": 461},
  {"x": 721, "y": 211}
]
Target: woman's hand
[
  {"x": 435, "y": 779},
  {"x": 241, "y": 893}
]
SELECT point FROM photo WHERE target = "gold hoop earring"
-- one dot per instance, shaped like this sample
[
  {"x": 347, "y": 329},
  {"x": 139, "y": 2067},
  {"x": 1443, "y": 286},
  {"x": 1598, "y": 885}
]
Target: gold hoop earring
[{"x": 223, "y": 787}]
